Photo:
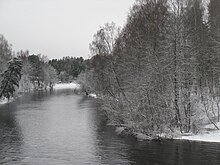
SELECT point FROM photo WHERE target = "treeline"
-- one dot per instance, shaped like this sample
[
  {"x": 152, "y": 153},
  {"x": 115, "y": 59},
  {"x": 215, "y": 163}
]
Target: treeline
[
  {"x": 160, "y": 72},
  {"x": 37, "y": 73},
  {"x": 22, "y": 72},
  {"x": 68, "y": 68}
]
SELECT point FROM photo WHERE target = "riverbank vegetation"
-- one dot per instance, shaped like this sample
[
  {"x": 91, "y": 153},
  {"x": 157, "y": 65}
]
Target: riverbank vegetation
[
  {"x": 22, "y": 72},
  {"x": 10, "y": 78},
  {"x": 160, "y": 72}
]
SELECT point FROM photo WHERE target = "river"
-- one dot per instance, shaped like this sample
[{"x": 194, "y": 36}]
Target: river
[{"x": 62, "y": 128}]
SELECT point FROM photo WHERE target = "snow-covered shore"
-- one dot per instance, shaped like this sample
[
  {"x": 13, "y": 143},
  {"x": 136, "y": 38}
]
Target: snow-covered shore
[
  {"x": 56, "y": 87},
  {"x": 67, "y": 86},
  {"x": 5, "y": 101},
  {"x": 209, "y": 134},
  {"x": 71, "y": 86}
]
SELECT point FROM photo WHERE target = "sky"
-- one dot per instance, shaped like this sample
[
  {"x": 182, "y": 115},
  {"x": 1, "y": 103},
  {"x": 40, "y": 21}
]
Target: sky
[{"x": 58, "y": 28}]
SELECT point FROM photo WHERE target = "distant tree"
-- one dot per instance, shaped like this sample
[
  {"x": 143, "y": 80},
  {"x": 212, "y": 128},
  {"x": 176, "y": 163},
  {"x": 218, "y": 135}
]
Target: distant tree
[
  {"x": 36, "y": 75},
  {"x": 25, "y": 84},
  {"x": 11, "y": 78},
  {"x": 68, "y": 68},
  {"x": 63, "y": 76},
  {"x": 50, "y": 75}
]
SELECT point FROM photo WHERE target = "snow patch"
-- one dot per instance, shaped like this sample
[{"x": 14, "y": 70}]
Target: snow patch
[
  {"x": 92, "y": 95},
  {"x": 67, "y": 86},
  {"x": 5, "y": 101},
  {"x": 210, "y": 134}
]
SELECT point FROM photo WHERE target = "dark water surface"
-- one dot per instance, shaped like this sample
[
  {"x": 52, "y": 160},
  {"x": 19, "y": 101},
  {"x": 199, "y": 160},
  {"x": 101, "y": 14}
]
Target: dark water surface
[{"x": 61, "y": 128}]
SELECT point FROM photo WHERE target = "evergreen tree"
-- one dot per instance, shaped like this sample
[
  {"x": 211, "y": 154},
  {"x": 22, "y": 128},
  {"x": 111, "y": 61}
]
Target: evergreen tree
[
  {"x": 11, "y": 78},
  {"x": 68, "y": 67}
]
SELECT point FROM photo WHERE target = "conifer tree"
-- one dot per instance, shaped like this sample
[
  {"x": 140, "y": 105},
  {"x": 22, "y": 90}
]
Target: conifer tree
[{"x": 11, "y": 78}]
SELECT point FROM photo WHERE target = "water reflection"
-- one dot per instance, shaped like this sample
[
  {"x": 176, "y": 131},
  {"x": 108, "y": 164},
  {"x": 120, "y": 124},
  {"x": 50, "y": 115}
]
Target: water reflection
[
  {"x": 10, "y": 136},
  {"x": 175, "y": 153}
]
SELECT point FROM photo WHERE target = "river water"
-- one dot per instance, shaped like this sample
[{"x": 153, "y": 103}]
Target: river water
[{"x": 61, "y": 128}]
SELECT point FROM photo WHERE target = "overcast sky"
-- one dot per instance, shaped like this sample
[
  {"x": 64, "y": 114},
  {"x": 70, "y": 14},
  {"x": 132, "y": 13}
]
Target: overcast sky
[{"x": 58, "y": 28}]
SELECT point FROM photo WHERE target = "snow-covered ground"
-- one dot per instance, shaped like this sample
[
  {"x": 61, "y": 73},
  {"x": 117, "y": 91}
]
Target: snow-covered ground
[
  {"x": 67, "y": 86},
  {"x": 57, "y": 86},
  {"x": 5, "y": 101},
  {"x": 213, "y": 135},
  {"x": 210, "y": 135},
  {"x": 72, "y": 86},
  {"x": 92, "y": 95}
]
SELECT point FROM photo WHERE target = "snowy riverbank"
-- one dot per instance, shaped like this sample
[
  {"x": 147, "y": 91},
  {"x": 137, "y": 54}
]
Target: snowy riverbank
[
  {"x": 209, "y": 134},
  {"x": 56, "y": 87},
  {"x": 67, "y": 86},
  {"x": 5, "y": 101},
  {"x": 72, "y": 86}
]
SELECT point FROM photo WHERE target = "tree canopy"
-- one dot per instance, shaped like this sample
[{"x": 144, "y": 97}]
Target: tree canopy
[
  {"x": 68, "y": 68},
  {"x": 162, "y": 65}
]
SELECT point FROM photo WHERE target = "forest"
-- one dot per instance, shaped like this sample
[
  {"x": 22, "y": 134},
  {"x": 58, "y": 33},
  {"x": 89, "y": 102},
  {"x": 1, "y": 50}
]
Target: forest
[
  {"x": 68, "y": 68},
  {"x": 22, "y": 72},
  {"x": 160, "y": 73}
]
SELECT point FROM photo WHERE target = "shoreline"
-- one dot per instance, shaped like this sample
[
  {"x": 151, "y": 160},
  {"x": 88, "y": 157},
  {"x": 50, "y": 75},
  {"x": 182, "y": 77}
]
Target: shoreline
[
  {"x": 212, "y": 135},
  {"x": 4, "y": 101},
  {"x": 205, "y": 136},
  {"x": 66, "y": 86},
  {"x": 208, "y": 134}
]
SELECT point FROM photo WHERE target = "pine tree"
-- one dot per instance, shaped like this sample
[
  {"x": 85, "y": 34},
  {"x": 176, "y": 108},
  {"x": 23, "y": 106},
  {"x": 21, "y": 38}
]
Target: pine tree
[{"x": 11, "y": 78}]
